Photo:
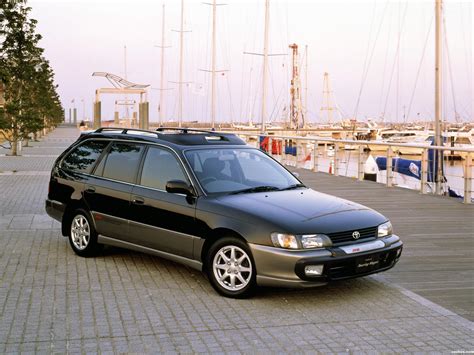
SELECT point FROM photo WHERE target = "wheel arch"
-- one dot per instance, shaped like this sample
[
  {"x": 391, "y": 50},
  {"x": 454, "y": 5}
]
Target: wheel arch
[
  {"x": 213, "y": 236},
  {"x": 68, "y": 214}
]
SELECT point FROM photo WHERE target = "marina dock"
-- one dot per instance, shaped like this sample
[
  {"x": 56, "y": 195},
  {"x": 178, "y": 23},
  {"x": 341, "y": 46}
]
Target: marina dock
[
  {"x": 123, "y": 301},
  {"x": 438, "y": 233}
]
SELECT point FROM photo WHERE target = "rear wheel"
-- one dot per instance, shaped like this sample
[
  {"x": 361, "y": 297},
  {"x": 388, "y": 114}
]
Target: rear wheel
[
  {"x": 82, "y": 235},
  {"x": 231, "y": 269}
]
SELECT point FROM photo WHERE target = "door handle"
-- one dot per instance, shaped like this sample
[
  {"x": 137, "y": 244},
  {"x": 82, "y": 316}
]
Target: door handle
[
  {"x": 90, "y": 189},
  {"x": 138, "y": 200}
]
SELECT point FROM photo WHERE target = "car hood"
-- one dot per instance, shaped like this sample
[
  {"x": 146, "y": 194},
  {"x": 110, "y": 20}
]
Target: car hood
[{"x": 300, "y": 211}]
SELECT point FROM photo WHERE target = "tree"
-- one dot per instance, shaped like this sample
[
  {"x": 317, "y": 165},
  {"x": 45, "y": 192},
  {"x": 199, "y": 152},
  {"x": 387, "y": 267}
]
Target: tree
[{"x": 31, "y": 100}]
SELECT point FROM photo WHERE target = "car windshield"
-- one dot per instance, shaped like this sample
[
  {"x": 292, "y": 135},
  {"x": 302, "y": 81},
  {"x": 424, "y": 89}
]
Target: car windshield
[{"x": 241, "y": 170}]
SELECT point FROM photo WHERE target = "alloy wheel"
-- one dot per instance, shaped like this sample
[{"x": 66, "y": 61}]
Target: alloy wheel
[
  {"x": 232, "y": 268},
  {"x": 80, "y": 232}
]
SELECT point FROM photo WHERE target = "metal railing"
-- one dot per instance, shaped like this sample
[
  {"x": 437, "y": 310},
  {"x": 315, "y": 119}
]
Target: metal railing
[{"x": 361, "y": 147}]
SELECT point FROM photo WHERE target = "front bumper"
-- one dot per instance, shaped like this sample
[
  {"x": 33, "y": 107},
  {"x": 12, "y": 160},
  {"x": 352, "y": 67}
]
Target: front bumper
[{"x": 286, "y": 268}]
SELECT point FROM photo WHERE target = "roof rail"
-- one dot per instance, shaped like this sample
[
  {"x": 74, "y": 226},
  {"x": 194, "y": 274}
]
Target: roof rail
[
  {"x": 124, "y": 130},
  {"x": 185, "y": 130}
]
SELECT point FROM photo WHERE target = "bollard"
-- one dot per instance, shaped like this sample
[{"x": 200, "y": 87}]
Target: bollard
[
  {"x": 424, "y": 171},
  {"x": 336, "y": 159},
  {"x": 360, "y": 164},
  {"x": 389, "y": 167},
  {"x": 468, "y": 178},
  {"x": 315, "y": 157},
  {"x": 370, "y": 169}
]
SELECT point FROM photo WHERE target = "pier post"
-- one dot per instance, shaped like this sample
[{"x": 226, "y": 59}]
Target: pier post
[
  {"x": 468, "y": 178},
  {"x": 315, "y": 157},
  {"x": 74, "y": 116},
  {"x": 116, "y": 118},
  {"x": 270, "y": 142},
  {"x": 424, "y": 171},
  {"x": 336, "y": 159},
  {"x": 360, "y": 164},
  {"x": 389, "y": 167},
  {"x": 97, "y": 115},
  {"x": 133, "y": 124},
  {"x": 143, "y": 108}
]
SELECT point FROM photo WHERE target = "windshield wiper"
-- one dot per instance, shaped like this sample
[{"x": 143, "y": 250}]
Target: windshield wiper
[
  {"x": 291, "y": 187},
  {"x": 255, "y": 189}
]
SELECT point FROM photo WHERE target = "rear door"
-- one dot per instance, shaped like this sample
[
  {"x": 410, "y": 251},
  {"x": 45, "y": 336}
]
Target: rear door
[
  {"x": 158, "y": 219},
  {"x": 107, "y": 191}
]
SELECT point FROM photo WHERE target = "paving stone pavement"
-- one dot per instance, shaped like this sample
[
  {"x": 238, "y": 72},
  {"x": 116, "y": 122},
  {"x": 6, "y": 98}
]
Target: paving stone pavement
[{"x": 122, "y": 301}]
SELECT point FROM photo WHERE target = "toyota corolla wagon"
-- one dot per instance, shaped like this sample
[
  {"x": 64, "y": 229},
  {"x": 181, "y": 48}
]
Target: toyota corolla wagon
[{"x": 211, "y": 202}]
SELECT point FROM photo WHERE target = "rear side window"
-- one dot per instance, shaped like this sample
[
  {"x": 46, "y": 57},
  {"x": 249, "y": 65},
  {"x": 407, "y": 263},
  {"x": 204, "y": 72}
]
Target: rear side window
[
  {"x": 121, "y": 163},
  {"x": 83, "y": 158},
  {"x": 159, "y": 167}
]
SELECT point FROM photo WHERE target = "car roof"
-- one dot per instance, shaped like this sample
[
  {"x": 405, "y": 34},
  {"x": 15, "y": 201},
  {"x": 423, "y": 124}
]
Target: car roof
[{"x": 178, "y": 137}]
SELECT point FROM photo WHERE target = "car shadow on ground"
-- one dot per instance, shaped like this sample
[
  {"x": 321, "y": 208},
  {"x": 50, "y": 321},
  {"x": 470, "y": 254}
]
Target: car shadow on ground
[{"x": 262, "y": 293}]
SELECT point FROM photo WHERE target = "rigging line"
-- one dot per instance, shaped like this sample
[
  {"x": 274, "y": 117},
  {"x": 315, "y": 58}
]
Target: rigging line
[
  {"x": 397, "y": 95},
  {"x": 272, "y": 82},
  {"x": 276, "y": 105},
  {"x": 385, "y": 66},
  {"x": 230, "y": 100},
  {"x": 257, "y": 94},
  {"x": 206, "y": 101},
  {"x": 395, "y": 61},
  {"x": 366, "y": 71},
  {"x": 242, "y": 87},
  {"x": 450, "y": 69},
  {"x": 225, "y": 51},
  {"x": 419, "y": 66},
  {"x": 467, "y": 53},
  {"x": 367, "y": 50},
  {"x": 277, "y": 20},
  {"x": 249, "y": 109}
]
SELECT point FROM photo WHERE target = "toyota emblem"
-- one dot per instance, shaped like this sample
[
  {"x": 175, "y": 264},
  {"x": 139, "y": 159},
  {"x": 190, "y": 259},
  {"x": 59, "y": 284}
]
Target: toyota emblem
[{"x": 356, "y": 235}]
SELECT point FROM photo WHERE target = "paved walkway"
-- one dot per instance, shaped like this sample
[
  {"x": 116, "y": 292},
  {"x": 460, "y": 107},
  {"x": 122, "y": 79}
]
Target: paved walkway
[{"x": 121, "y": 301}]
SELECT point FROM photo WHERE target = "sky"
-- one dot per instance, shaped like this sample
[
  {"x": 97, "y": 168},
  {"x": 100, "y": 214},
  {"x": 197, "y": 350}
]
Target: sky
[{"x": 379, "y": 56}]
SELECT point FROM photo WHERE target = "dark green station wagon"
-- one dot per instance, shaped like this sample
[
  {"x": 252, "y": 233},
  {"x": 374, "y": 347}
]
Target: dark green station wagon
[{"x": 209, "y": 201}]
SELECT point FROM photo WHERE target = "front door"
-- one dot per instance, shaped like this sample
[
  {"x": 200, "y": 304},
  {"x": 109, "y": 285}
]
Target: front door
[{"x": 158, "y": 219}]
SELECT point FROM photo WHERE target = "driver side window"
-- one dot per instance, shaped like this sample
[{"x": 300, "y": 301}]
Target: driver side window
[{"x": 159, "y": 167}]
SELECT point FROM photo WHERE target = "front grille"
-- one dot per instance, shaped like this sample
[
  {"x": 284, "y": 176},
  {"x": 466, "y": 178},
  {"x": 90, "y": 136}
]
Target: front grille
[{"x": 344, "y": 237}]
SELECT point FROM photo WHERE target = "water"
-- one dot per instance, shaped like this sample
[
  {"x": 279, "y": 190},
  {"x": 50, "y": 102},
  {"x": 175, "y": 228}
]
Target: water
[{"x": 348, "y": 163}]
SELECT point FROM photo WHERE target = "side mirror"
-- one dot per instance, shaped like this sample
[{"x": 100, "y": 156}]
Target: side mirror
[
  {"x": 295, "y": 174},
  {"x": 179, "y": 187}
]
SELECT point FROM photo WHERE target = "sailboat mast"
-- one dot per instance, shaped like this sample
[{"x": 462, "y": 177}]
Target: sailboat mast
[
  {"x": 213, "y": 73},
  {"x": 438, "y": 101},
  {"x": 127, "y": 113},
  {"x": 305, "y": 117},
  {"x": 265, "y": 65},
  {"x": 162, "y": 64},
  {"x": 180, "y": 90}
]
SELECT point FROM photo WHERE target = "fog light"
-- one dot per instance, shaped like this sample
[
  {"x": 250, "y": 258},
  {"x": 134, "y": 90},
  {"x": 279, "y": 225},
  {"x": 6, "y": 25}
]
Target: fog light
[{"x": 313, "y": 270}]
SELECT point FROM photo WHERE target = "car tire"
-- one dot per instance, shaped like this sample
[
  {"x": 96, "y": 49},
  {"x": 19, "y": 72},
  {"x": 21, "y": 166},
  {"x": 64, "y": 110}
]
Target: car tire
[
  {"x": 231, "y": 269},
  {"x": 82, "y": 234}
]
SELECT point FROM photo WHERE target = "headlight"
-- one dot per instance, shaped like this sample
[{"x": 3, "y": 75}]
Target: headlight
[
  {"x": 305, "y": 241},
  {"x": 315, "y": 241},
  {"x": 385, "y": 229},
  {"x": 287, "y": 241}
]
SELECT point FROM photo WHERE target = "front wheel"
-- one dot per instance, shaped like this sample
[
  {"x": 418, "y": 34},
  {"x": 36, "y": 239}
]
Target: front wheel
[
  {"x": 82, "y": 235},
  {"x": 231, "y": 269}
]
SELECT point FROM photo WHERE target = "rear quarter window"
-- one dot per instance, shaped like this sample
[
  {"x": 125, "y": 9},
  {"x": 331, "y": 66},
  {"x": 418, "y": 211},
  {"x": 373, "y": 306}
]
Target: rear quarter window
[
  {"x": 83, "y": 158},
  {"x": 121, "y": 162}
]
